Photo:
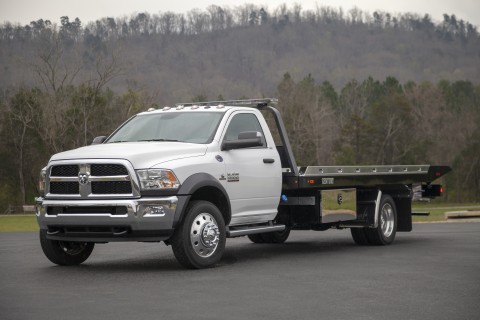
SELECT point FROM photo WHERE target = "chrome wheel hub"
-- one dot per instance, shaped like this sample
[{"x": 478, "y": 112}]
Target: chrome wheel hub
[
  {"x": 204, "y": 235},
  {"x": 387, "y": 220}
]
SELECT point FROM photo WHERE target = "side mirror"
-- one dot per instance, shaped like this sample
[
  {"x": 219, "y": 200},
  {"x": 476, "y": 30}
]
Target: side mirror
[
  {"x": 247, "y": 139},
  {"x": 99, "y": 140}
]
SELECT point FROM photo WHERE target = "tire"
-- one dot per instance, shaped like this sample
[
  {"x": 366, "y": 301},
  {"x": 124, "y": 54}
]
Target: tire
[
  {"x": 385, "y": 232},
  {"x": 199, "y": 240},
  {"x": 256, "y": 238},
  {"x": 65, "y": 253},
  {"x": 359, "y": 236},
  {"x": 277, "y": 236}
]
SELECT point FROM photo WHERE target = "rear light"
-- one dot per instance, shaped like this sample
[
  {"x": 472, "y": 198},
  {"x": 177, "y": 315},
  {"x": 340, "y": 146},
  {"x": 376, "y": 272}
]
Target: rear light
[{"x": 432, "y": 190}]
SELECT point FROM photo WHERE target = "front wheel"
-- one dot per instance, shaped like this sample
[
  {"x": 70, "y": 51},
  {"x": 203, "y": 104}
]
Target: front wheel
[
  {"x": 199, "y": 241},
  {"x": 65, "y": 253}
]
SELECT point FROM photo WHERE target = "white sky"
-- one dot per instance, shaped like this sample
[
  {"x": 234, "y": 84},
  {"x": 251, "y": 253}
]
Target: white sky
[{"x": 24, "y": 11}]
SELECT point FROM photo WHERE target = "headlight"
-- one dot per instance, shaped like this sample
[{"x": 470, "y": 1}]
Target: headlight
[
  {"x": 42, "y": 181},
  {"x": 152, "y": 179}
]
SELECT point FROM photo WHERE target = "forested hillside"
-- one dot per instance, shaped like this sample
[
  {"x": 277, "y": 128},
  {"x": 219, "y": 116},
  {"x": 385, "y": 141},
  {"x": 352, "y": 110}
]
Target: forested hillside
[{"x": 354, "y": 87}]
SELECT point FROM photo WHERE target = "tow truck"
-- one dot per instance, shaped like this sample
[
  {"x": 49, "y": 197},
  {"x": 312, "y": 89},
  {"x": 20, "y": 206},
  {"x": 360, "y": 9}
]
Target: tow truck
[{"x": 195, "y": 174}]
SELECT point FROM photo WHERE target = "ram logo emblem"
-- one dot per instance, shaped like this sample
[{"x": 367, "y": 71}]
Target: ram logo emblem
[{"x": 83, "y": 178}]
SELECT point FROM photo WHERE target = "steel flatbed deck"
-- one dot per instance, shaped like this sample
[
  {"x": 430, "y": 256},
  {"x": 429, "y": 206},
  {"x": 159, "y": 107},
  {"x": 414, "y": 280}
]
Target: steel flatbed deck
[{"x": 358, "y": 176}]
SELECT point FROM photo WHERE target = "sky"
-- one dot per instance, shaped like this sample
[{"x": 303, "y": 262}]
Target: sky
[{"x": 24, "y": 11}]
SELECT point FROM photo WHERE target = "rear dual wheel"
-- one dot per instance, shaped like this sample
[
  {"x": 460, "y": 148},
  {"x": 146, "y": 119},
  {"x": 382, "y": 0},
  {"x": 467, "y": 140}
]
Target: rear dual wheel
[{"x": 385, "y": 232}]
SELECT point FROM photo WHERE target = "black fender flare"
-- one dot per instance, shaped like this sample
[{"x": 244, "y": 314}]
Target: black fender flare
[{"x": 192, "y": 184}]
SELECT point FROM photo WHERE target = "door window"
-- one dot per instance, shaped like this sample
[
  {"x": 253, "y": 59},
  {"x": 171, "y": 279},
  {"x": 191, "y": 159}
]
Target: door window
[{"x": 243, "y": 122}]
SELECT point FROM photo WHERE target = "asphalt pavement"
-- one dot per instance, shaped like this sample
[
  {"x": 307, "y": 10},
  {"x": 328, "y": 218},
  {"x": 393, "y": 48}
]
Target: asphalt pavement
[{"x": 430, "y": 273}]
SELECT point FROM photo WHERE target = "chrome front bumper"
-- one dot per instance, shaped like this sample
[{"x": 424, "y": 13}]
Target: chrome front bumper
[{"x": 147, "y": 219}]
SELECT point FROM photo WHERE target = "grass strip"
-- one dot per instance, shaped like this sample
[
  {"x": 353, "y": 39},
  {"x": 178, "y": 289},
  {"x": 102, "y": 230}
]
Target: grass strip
[
  {"x": 437, "y": 210},
  {"x": 18, "y": 223}
]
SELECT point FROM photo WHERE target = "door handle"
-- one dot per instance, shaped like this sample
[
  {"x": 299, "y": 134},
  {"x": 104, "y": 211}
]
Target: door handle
[{"x": 268, "y": 160}]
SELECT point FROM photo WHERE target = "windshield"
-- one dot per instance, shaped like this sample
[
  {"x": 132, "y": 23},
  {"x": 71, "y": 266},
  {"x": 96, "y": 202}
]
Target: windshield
[{"x": 192, "y": 127}]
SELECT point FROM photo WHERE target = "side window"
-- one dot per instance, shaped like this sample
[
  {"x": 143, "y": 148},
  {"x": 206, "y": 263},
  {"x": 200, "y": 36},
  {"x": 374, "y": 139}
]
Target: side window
[{"x": 241, "y": 123}]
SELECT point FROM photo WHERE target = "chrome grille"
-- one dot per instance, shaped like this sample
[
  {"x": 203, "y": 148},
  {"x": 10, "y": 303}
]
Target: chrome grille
[{"x": 87, "y": 180}]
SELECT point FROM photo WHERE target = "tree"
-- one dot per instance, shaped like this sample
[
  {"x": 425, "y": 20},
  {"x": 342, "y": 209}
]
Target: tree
[{"x": 23, "y": 110}]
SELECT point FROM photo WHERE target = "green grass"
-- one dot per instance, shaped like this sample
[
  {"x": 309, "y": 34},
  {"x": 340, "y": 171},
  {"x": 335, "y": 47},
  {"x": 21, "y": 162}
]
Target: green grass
[
  {"x": 18, "y": 223},
  {"x": 437, "y": 210},
  {"x": 28, "y": 223}
]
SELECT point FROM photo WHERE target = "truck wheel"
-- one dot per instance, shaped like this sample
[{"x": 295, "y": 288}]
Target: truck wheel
[
  {"x": 359, "y": 236},
  {"x": 65, "y": 253},
  {"x": 199, "y": 241},
  {"x": 276, "y": 237},
  {"x": 256, "y": 238},
  {"x": 384, "y": 233}
]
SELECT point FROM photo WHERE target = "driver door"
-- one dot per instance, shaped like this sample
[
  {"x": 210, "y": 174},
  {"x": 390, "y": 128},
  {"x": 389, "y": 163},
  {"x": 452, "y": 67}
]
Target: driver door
[{"x": 254, "y": 175}]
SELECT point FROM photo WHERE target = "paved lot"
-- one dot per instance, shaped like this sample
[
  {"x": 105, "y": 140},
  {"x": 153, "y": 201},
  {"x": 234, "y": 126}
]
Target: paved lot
[{"x": 431, "y": 273}]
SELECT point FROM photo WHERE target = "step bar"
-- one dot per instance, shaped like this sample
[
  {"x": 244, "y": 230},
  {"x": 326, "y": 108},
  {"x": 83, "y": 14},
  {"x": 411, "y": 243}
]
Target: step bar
[{"x": 246, "y": 230}]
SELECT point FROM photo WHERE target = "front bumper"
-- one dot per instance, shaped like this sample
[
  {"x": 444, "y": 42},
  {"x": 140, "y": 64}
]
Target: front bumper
[{"x": 143, "y": 219}]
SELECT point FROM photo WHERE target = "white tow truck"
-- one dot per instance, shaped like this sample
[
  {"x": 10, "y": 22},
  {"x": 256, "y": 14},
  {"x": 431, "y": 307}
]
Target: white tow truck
[{"x": 195, "y": 174}]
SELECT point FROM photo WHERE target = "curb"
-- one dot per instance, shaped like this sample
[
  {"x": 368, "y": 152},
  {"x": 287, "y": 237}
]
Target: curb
[{"x": 462, "y": 215}]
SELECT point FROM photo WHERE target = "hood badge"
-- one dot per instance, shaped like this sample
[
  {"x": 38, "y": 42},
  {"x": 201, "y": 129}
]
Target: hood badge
[{"x": 233, "y": 177}]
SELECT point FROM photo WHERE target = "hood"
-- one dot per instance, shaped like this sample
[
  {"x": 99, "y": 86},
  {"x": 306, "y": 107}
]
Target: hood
[{"x": 142, "y": 155}]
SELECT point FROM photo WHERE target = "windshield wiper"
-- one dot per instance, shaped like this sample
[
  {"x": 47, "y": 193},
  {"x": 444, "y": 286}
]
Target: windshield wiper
[{"x": 167, "y": 140}]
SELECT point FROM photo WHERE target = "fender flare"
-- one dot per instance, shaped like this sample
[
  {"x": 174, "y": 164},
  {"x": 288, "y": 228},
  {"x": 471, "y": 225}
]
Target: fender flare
[{"x": 192, "y": 184}]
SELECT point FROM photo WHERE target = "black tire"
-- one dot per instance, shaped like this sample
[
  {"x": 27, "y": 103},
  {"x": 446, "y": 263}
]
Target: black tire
[
  {"x": 385, "y": 232},
  {"x": 256, "y": 238},
  {"x": 199, "y": 240},
  {"x": 359, "y": 236},
  {"x": 65, "y": 253},
  {"x": 277, "y": 236}
]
